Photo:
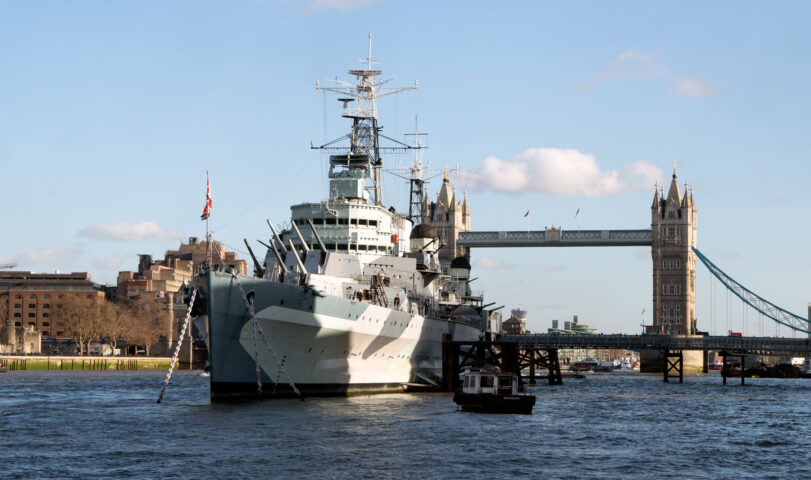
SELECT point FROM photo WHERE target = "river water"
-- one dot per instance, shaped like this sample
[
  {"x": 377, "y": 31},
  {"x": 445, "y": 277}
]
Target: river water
[{"x": 107, "y": 424}]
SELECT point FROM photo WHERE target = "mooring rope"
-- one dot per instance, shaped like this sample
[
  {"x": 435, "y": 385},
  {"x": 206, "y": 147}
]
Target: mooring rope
[
  {"x": 180, "y": 338},
  {"x": 258, "y": 327}
]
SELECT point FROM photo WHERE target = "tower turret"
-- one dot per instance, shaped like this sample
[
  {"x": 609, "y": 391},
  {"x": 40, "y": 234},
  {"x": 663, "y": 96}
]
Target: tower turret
[{"x": 674, "y": 229}]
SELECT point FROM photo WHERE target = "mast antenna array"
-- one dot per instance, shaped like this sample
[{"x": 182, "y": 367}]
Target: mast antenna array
[{"x": 365, "y": 134}]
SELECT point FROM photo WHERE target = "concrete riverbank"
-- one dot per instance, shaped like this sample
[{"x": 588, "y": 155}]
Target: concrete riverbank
[{"x": 30, "y": 362}]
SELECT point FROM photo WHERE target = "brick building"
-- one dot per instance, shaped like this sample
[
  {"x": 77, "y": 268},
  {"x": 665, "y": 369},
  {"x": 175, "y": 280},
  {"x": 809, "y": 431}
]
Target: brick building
[{"x": 29, "y": 300}]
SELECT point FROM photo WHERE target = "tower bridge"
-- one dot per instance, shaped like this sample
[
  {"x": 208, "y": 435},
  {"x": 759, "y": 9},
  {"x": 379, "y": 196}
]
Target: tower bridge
[
  {"x": 672, "y": 238},
  {"x": 673, "y": 241}
]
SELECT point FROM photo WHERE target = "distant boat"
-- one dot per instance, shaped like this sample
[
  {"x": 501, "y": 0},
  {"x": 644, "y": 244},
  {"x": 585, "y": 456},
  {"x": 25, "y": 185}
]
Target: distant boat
[
  {"x": 592, "y": 365},
  {"x": 3, "y": 367}
]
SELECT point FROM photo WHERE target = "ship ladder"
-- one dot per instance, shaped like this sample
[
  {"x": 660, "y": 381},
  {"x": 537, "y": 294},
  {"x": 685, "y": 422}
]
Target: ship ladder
[
  {"x": 380, "y": 294},
  {"x": 258, "y": 328},
  {"x": 180, "y": 338}
]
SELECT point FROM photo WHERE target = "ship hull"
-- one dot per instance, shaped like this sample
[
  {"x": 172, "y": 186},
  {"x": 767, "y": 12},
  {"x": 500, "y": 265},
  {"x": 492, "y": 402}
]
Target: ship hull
[{"x": 327, "y": 345}]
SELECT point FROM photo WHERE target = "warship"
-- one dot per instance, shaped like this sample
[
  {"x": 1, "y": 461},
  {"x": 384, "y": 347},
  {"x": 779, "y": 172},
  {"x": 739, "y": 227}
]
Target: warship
[{"x": 351, "y": 297}]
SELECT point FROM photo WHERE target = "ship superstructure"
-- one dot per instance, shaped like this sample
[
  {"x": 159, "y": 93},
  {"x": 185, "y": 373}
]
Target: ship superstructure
[{"x": 351, "y": 296}]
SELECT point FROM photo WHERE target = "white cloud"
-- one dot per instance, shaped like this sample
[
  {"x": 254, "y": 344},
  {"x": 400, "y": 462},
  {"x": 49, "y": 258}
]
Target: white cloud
[
  {"x": 630, "y": 64},
  {"x": 46, "y": 258},
  {"x": 129, "y": 231},
  {"x": 635, "y": 65},
  {"x": 342, "y": 5},
  {"x": 558, "y": 171},
  {"x": 696, "y": 88},
  {"x": 490, "y": 264}
]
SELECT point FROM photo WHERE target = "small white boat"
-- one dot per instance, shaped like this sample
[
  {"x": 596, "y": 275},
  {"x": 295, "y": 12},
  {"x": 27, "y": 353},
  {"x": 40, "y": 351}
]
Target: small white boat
[{"x": 492, "y": 391}]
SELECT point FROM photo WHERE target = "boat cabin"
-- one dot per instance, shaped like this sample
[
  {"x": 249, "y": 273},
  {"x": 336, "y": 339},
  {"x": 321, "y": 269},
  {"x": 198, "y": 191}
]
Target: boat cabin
[{"x": 490, "y": 382}]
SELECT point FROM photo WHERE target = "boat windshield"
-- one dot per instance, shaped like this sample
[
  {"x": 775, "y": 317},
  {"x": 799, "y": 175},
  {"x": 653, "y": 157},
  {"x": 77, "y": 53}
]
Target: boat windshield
[
  {"x": 487, "y": 381},
  {"x": 505, "y": 381}
]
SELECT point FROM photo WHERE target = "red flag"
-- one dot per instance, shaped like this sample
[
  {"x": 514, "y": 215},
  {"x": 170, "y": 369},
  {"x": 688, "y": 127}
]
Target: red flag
[{"x": 207, "y": 207}]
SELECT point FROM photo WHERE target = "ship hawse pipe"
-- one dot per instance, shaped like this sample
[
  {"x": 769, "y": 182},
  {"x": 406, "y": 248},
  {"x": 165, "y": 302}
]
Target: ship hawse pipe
[
  {"x": 275, "y": 252},
  {"x": 292, "y": 250},
  {"x": 300, "y": 238},
  {"x": 277, "y": 237},
  {"x": 257, "y": 268},
  {"x": 318, "y": 239}
]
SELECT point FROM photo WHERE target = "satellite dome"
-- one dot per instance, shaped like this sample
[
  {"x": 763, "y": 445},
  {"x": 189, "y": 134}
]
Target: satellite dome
[
  {"x": 423, "y": 231},
  {"x": 460, "y": 262}
]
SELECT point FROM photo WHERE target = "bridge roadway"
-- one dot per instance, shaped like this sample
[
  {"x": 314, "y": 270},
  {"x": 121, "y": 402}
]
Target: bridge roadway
[
  {"x": 795, "y": 347},
  {"x": 553, "y": 237}
]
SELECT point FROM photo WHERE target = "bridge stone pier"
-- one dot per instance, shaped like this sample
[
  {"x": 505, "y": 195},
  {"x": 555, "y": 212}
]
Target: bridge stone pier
[{"x": 672, "y": 236}]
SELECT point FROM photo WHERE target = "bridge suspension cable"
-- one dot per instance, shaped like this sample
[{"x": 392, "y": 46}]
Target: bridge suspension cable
[{"x": 765, "y": 307}]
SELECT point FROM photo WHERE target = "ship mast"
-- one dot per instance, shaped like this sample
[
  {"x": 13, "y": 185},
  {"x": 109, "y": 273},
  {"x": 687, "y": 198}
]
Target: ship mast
[{"x": 365, "y": 134}]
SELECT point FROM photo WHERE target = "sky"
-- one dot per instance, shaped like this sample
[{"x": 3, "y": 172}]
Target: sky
[{"x": 112, "y": 112}]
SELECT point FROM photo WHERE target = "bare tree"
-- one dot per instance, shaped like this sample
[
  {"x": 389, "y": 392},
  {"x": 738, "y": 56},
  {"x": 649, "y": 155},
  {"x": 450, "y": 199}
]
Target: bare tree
[
  {"x": 149, "y": 322},
  {"x": 115, "y": 322},
  {"x": 5, "y": 324},
  {"x": 82, "y": 319}
]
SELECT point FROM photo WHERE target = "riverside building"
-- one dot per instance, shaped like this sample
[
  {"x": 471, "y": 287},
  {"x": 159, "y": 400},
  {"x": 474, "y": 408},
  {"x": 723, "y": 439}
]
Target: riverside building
[{"x": 28, "y": 300}]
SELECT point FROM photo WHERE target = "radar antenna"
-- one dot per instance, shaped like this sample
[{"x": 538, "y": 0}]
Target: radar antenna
[
  {"x": 417, "y": 175},
  {"x": 365, "y": 134}
]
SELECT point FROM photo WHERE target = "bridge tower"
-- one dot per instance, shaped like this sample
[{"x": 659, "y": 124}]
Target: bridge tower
[
  {"x": 449, "y": 217},
  {"x": 674, "y": 228}
]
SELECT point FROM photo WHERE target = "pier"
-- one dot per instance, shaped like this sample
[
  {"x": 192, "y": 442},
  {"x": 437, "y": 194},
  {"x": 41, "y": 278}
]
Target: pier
[
  {"x": 45, "y": 362},
  {"x": 515, "y": 353}
]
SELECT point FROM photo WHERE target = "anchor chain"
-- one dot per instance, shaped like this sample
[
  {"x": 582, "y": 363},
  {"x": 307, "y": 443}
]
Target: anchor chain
[
  {"x": 258, "y": 327},
  {"x": 255, "y": 349},
  {"x": 180, "y": 338}
]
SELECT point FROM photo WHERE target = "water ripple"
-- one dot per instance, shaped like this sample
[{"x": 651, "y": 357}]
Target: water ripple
[{"x": 107, "y": 424}]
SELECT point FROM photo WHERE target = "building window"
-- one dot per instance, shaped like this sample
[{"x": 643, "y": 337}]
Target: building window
[
  {"x": 46, "y": 297},
  {"x": 18, "y": 305},
  {"x": 59, "y": 333},
  {"x": 671, "y": 214},
  {"x": 61, "y": 296},
  {"x": 45, "y": 324},
  {"x": 46, "y": 305},
  {"x": 32, "y": 297},
  {"x": 17, "y": 314},
  {"x": 32, "y": 305},
  {"x": 16, "y": 324},
  {"x": 18, "y": 296},
  {"x": 32, "y": 324},
  {"x": 46, "y": 315},
  {"x": 31, "y": 315},
  {"x": 46, "y": 333}
]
